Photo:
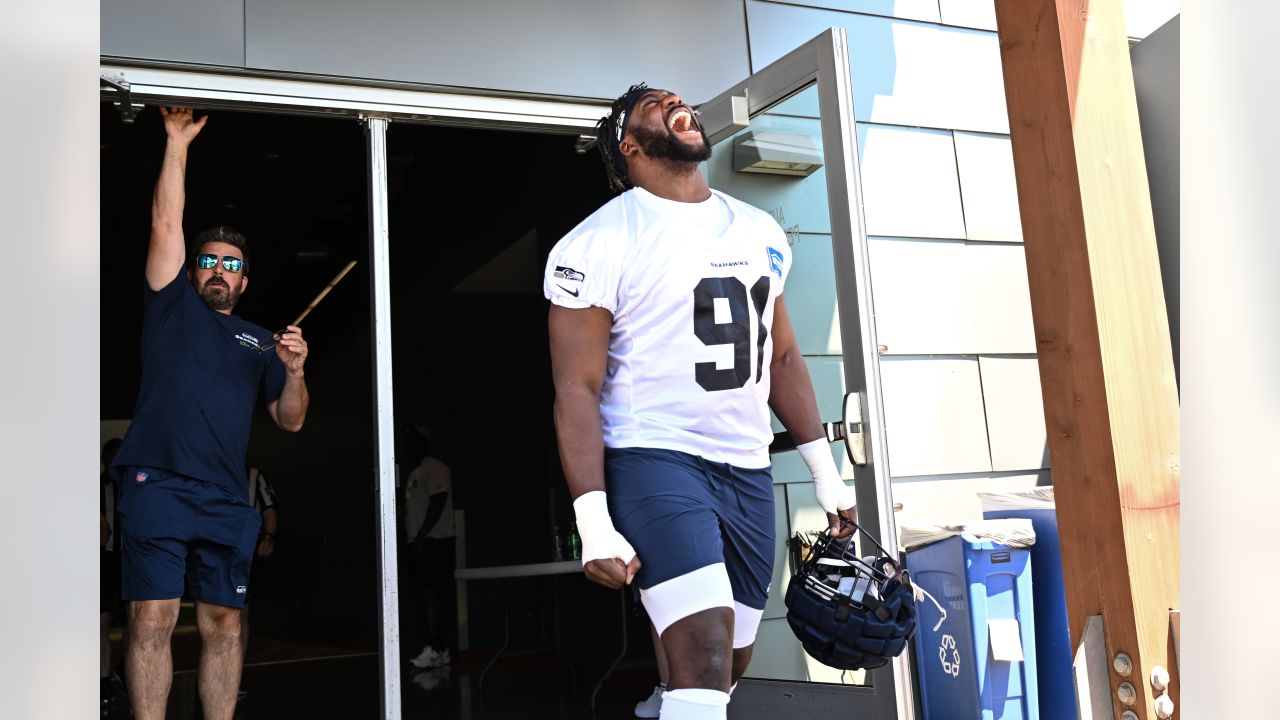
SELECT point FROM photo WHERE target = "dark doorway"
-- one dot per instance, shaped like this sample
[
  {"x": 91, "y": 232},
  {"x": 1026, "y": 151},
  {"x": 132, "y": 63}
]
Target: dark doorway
[{"x": 295, "y": 186}]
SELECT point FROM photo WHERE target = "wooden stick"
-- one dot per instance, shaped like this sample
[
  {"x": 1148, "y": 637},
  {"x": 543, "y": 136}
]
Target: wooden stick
[{"x": 325, "y": 291}]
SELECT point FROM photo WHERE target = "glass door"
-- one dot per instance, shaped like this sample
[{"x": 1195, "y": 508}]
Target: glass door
[{"x": 783, "y": 141}]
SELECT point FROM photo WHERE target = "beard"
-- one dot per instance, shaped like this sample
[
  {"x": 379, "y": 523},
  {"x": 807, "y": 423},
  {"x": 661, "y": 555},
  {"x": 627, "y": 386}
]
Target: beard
[
  {"x": 218, "y": 296},
  {"x": 664, "y": 145}
]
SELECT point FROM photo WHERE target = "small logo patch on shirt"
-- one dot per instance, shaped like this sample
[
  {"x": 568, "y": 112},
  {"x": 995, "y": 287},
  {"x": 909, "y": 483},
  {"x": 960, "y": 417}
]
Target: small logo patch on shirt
[
  {"x": 140, "y": 477},
  {"x": 775, "y": 260},
  {"x": 247, "y": 340},
  {"x": 568, "y": 273},
  {"x": 241, "y": 589}
]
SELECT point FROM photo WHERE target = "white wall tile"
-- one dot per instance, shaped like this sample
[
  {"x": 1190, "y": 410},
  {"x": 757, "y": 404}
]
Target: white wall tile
[
  {"x": 950, "y": 297},
  {"x": 969, "y": 13},
  {"x": 1015, "y": 413},
  {"x": 988, "y": 187},
  {"x": 953, "y": 500},
  {"x": 909, "y": 185},
  {"x": 904, "y": 73},
  {"x": 933, "y": 416},
  {"x": 926, "y": 10}
]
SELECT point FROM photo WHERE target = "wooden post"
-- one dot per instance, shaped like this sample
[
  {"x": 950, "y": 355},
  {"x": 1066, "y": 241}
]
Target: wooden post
[{"x": 1106, "y": 371}]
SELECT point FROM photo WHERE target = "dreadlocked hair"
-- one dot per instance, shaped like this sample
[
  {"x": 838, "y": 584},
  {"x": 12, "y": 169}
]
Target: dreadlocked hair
[{"x": 615, "y": 167}]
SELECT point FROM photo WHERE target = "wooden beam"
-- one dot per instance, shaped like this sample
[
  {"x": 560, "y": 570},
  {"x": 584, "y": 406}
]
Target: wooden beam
[{"x": 1110, "y": 398}]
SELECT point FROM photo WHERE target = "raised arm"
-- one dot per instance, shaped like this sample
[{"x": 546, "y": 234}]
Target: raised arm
[
  {"x": 167, "y": 252},
  {"x": 579, "y": 354},
  {"x": 792, "y": 400}
]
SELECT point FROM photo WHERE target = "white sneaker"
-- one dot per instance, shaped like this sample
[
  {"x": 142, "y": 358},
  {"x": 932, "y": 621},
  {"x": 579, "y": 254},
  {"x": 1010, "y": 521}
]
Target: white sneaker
[
  {"x": 427, "y": 658},
  {"x": 432, "y": 679},
  {"x": 651, "y": 707}
]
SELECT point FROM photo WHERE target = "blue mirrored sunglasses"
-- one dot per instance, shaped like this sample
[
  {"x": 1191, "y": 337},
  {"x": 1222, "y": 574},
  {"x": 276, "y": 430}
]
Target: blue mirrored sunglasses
[{"x": 230, "y": 263}]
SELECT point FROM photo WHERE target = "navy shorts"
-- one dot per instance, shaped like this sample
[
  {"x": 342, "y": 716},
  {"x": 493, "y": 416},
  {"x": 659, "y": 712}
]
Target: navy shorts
[
  {"x": 681, "y": 513},
  {"x": 181, "y": 535}
]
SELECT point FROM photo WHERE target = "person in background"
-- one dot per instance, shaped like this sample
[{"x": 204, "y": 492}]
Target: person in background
[
  {"x": 186, "y": 524},
  {"x": 429, "y": 532},
  {"x": 109, "y": 568},
  {"x": 263, "y": 499}
]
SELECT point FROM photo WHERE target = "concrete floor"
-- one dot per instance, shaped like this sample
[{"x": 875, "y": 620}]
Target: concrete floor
[{"x": 289, "y": 680}]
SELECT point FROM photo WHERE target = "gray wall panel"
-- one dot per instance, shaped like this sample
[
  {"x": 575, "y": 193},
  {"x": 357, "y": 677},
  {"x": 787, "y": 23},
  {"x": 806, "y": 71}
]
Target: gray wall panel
[
  {"x": 584, "y": 48},
  {"x": 1155, "y": 79},
  {"x": 208, "y": 31}
]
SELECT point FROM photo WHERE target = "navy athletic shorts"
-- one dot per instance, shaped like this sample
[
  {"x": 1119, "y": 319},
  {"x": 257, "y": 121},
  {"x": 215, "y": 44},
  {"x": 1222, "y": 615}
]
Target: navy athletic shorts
[
  {"x": 181, "y": 534},
  {"x": 681, "y": 512}
]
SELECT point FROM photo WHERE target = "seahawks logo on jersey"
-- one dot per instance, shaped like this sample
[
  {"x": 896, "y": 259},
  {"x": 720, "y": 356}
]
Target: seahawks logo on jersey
[{"x": 567, "y": 273}]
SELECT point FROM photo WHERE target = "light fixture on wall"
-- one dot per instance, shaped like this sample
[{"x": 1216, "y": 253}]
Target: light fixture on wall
[{"x": 771, "y": 152}]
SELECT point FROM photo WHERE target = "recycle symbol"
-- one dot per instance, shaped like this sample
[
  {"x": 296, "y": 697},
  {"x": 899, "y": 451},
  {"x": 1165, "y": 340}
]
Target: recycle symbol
[{"x": 951, "y": 668}]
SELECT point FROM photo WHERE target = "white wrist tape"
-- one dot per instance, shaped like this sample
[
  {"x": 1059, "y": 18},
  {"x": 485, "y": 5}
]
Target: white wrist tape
[
  {"x": 600, "y": 540},
  {"x": 832, "y": 493}
]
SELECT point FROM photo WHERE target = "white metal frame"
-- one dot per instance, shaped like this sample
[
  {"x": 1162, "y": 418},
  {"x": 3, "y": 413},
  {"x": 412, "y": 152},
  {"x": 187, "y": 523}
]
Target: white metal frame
[
  {"x": 384, "y": 422},
  {"x": 220, "y": 90}
]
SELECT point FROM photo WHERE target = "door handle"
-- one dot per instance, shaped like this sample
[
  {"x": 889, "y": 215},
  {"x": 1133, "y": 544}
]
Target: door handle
[{"x": 849, "y": 429}]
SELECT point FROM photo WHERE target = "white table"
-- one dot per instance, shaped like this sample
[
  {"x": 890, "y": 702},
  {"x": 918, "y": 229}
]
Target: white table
[{"x": 561, "y": 567}]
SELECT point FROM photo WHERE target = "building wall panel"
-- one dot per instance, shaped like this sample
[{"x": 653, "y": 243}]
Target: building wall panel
[
  {"x": 1015, "y": 413},
  {"x": 968, "y": 13},
  {"x": 943, "y": 500},
  {"x": 950, "y": 297},
  {"x": 209, "y": 32},
  {"x": 933, "y": 416},
  {"x": 909, "y": 185},
  {"x": 904, "y": 72},
  {"x": 987, "y": 187}
]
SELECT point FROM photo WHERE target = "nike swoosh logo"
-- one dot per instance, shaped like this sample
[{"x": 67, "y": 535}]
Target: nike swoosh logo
[{"x": 571, "y": 292}]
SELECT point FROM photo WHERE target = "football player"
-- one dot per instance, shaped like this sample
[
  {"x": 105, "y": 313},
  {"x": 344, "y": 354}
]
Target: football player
[{"x": 670, "y": 343}]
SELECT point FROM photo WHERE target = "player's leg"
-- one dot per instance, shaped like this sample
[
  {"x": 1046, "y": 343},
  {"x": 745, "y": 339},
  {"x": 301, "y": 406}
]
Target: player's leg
[
  {"x": 660, "y": 501},
  {"x": 699, "y": 657},
  {"x": 749, "y": 536},
  {"x": 220, "y": 659},
  {"x": 220, "y": 558},
  {"x": 154, "y": 517},
  {"x": 150, "y": 663}
]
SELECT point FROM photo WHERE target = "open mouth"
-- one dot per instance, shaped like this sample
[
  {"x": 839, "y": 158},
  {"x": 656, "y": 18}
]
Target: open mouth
[{"x": 682, "y": 121}]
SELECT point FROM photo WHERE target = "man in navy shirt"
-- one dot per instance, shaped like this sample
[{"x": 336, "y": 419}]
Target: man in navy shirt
[{"x": 186, "y": 524}]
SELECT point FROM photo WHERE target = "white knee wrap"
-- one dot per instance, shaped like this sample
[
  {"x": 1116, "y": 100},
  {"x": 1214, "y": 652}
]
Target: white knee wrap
[
  {"x": 746, "y": 621},
  {"x": 694, "y": 704},
  {"x": 705, "y": 588}
]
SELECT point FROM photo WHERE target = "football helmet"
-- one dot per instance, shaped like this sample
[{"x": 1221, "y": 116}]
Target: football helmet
[{"x": 849, "y": 612}]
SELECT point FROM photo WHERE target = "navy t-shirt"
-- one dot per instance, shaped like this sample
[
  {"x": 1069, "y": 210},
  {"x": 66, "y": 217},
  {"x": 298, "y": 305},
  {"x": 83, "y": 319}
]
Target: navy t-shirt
[{"x": 201, "y": 378}]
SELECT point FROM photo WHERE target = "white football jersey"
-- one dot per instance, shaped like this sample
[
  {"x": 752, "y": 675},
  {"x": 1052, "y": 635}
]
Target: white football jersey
[{"x": 690, "y": 347}]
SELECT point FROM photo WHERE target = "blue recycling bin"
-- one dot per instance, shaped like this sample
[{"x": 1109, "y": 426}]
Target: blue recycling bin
[
  {"x": 980, "y": 663},
  {"x": 1053, "y": 633}
]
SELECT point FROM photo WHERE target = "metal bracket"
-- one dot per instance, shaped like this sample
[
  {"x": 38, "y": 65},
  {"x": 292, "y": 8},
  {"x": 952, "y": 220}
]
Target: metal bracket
[
  {"x": 124, "y": 103},
  {"x": 724, "y": 119},
  {"x": 584, "y": 143},
  {"x": 850, "y": 430}
]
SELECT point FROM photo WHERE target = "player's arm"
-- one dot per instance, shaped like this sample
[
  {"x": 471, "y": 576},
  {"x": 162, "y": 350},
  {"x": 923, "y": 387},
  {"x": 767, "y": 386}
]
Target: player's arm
[
  {"x": 579, "y": 354},
  {"x": 289, "y": 411},
  {"x": 267, "y": 538},
  {"x": 167, "y": 251},
  {"x": 792, "y": 399}
]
